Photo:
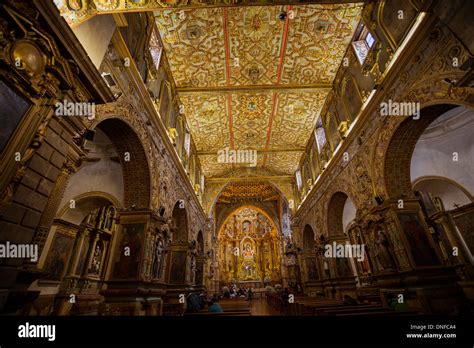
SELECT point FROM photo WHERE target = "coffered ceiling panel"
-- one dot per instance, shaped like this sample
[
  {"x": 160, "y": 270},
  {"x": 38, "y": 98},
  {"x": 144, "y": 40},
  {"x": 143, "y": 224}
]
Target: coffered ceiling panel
[
  {"x": 252, "y": 79},
  {"x": 255, "y": 41},
  {"x": 283, "y": 163},
  {"x": 317, "y": 41},
  {"x": 207, "y": 120},
  {"x": 210, "y": 164},
  {"x": 195, "y": 46},
  {"x": 294, "y": 115},
  {"x": 250, "y": 120}
]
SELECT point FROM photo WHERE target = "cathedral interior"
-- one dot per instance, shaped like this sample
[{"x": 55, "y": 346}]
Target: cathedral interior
[{"x": 278, "y": 158}]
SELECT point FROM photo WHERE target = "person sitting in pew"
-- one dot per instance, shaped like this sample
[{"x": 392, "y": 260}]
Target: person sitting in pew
[
  {"x": 215, "y": 307},
  {"x": 349, "y": 301},
  {"x": 193, "y": 303}
]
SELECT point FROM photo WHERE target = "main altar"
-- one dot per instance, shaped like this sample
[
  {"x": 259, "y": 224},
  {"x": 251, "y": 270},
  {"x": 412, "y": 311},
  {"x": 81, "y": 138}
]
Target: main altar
[{"x": 249, "y": 249}]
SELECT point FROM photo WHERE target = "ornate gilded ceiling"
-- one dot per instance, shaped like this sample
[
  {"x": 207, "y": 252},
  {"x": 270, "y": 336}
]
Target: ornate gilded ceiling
[
  {"x": 76, "y": 12},
  {"x": 251, "y": 81},
  {"x": 248, "y": 79}
]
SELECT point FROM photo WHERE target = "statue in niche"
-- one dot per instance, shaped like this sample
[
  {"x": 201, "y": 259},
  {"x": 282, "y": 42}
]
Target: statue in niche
[
  {"x": 158, "y": 256},
  {"x": 109, "y": 218},
  {"x": 96, "y": 259},
  {"x": 101, "y": 218},
  {"x": 229, "y": 229},
  {"x": 249, "y": 271},
  {"x": 268, "y": 229},
  {"x": 192, "y": 252},
  {"x": 248, "y": 251},
  {"x": 246, "y": 227},
  {"x": 312, "y": 269},
  {"x": 267, "y": 265},
  {"x": 290, "y": 259},
  {"x": 438, "y": 202},
  {"x": 260, "y": 225},
  {"x": 92, "y": 217},
  {"x": 382, "y": 251},
  {"x": 193, "y": 268}
]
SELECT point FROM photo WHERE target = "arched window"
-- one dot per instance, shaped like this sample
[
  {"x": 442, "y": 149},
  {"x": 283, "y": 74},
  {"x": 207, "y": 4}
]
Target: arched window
[
  {"x": 155, "y": 47},
  {"x": 320, "y": 134}
]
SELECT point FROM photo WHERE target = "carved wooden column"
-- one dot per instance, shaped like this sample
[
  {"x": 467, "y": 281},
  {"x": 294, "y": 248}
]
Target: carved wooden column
[{"x": 129, "y": 290}]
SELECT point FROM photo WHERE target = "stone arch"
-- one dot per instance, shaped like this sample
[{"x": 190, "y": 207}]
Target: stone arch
[
  {"x": 445, "y": 188},
  {"x": 341, "y": 210},
  {"x": 254, "y": 206},
  {"x": 83, "y": 206},
  {"x": 134, "y": 162},
  {"x": 430, "y": 93},
  {"x": 219, "y": 190},
  {"x": 308, "y": 238},
  {"x": 400, "y": 150}
]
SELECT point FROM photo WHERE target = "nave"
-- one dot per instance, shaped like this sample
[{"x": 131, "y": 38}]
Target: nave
[{"x": 317, "y": 155}]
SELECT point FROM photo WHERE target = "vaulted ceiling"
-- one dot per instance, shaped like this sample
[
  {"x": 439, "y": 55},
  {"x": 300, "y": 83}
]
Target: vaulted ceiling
[{"x": 251, "y": 80}]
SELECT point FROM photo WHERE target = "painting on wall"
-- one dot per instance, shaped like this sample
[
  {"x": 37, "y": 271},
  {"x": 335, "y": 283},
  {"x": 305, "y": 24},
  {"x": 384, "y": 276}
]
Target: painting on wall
[
  {"x": 421, "y": 249},
  {"x": 178, "y": 267},
  {"x": 312, "y": 269},
  {"x": 129, "y": 251},
  {"x": 343, "y": 267},
  {"x": 12, "y": 111},
  {"x": 58, "y": 256},
  {"x": 352, "y": 97},
  {"x": 165, "y": 102}
]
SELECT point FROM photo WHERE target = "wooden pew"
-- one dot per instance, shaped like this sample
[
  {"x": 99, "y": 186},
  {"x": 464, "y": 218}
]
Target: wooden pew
[
  {"x": 231, "y": 307},
  {"x": 341, "y": 310}
]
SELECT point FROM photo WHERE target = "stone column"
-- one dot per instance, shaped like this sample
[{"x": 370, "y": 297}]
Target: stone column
[{"x": 52, "y": 206}]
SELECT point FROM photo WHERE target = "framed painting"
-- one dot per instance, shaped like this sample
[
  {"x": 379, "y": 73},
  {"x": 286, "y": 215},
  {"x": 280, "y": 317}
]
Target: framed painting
[
  {"x": 58, "y": 256},
  {"x": 421, "y": 249}
]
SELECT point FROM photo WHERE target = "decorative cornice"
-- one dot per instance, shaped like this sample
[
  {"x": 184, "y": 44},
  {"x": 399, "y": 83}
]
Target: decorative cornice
[
  {"x": 93, "y": 80},
  {"x": 387, "y": 80},
  {"x": 152, "y": 114}
]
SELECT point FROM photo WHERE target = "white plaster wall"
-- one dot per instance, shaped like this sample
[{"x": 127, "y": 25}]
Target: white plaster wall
[
  {"x": 104, "y": 175},
  {"x": 348, "y": 213},
  {"x": 449, "y": 193},
  {"x": 95, "y": 35},
  {"x": 433, "y": 155}
]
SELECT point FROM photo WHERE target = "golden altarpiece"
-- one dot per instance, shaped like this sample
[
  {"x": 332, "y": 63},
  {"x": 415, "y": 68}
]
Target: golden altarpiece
[{"x": 249, "y": 249}]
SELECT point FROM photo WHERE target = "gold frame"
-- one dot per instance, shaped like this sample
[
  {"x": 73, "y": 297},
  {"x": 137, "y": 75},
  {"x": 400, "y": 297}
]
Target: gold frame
[
  {"x": 165, "y": 85},
  {"x": 20, "y": 139},
  {"x": 390, "y": 39},
  {"x": 344, "y": 83}
]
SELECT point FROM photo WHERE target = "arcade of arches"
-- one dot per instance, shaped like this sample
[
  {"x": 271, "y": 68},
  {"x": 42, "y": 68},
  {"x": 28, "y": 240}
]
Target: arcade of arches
[{"x": 165, "y": 148}]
